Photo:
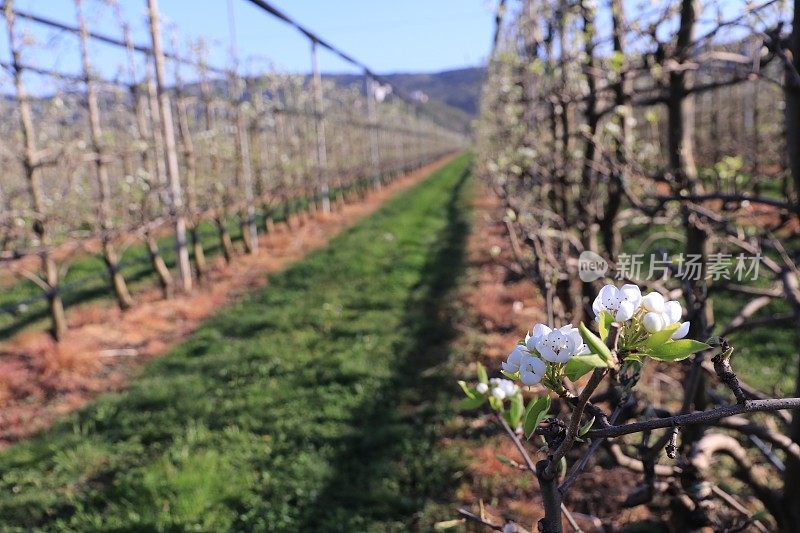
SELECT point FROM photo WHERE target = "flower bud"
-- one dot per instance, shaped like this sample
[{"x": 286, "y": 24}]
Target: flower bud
[
  {"x": 653, "y": 302},
  {"x": 482, "y": 388},
  {"x": 653, "y": 322},
  {"x": 499, "y": 393}
]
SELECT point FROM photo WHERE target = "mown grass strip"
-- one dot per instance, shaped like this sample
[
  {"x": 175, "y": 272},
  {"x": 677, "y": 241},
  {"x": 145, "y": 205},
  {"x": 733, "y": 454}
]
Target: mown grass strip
[{"x": 316, "y": 404}]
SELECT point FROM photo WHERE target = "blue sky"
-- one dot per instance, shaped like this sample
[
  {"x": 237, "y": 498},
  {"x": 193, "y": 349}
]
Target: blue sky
[{"x": 389, "y": 36}]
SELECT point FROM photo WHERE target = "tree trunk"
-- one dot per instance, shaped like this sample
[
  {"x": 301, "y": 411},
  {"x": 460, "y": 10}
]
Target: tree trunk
[
  {"x": 792, "y": 95},
  {"x": 224, "y": 238},
  {"x": 198, "y": 252},
  {"x": 164, "y": 276},
  {"x": 124, "y": 299},
  {"x": 35, "y": 193}
]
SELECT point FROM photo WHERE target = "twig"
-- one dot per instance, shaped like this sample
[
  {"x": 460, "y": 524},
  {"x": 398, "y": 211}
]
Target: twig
[
  {"x": 700, "y": 417},
  {"x": 577, "y": 411},
  {"x": 734, "y": 504},
  {"x": 578, "y": 467}
]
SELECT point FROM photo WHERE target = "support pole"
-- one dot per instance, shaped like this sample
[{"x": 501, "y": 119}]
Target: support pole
[
  {"x": 319, "y": 123},
  {"x": 173, "y": 173},
  {"x": 375, "y": 158}
]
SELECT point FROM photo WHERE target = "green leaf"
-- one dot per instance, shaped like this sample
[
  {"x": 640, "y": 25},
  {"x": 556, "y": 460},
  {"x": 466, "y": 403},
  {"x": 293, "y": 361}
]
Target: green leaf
[
  {"x": 594, "y": 343},
  {"x": 582, "y": 364},
  {"x": 516, "y": 410},
  {"x": 482, "y": 377},
  {"x": 604, "y": 324},
  {"x": 660, "y": 337},
  {"x": 471, "y": 403},
  {"x": 471, "y": 393},
  {"x": 534, "y": 414},
  {"x": 586, "y": 427},
  {"x": 678, "y": 350}
]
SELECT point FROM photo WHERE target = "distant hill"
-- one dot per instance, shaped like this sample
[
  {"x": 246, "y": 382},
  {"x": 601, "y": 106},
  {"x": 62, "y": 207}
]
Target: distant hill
[{"x": 452, "y": 94}]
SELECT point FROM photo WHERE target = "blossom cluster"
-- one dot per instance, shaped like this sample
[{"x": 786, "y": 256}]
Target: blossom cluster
[
  {"x": 499, "y": 388},
  {"x": 547, "y": 355},
  {"x": 653, "y": 311},
  {"x": 646, "y": 326},
  {"x": 542, "y": 345}
]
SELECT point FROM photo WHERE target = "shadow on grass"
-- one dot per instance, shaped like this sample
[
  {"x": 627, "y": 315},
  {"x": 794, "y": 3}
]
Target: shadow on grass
[{"x": 360, "y": 493}]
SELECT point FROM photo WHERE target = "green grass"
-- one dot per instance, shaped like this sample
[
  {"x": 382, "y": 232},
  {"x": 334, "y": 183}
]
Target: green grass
[{"x": 315, "y": 404}]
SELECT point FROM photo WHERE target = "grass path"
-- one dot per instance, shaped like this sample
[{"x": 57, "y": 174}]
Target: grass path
[{"x": 316, "y": 404}]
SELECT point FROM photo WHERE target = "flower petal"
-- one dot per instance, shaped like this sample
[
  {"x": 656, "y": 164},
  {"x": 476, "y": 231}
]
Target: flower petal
[
  {"x": 682, "y": 331},
  {"x": 674, "y": 311},
  {"x": 540, "y": 330},
  {"x": 625, "y": 311},
  {"x": 530, "y": 378},
  {"x": 631, "y": 293},
  {"x": 609, "y": 296},
  {"x": 547, "y": 353},
  {"x": 564, "y": 356},
  {"x": 535, "y": 364}
]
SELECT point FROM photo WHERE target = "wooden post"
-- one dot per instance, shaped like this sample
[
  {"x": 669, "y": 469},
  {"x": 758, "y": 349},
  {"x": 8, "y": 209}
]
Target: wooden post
[
  {"x": 319, "y": 125},
  {"x": 153, "y": 166},
  {"x": 173, "y": 172},
  {"x": 118, "y": 284},
  {"x": 372, "y": 120},
  {"x": 244, "y": 169},
  {"x": 221, "y": 198},
  {"x": 32, "y": 167},
  {"x": 244, "y": 166},
  {"x": 191, "y": 172}
]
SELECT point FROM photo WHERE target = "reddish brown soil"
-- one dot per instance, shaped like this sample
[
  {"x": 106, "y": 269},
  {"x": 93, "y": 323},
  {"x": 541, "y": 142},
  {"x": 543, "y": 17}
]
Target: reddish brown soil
[
  {"x": 41, "y": 380},
  {"x": 500, "y": 306}
]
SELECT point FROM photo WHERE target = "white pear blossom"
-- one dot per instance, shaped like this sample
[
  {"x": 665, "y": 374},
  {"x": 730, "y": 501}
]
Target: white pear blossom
[
  {"x": 560, "y": 345},
  {"x": 532, "y": 370},
  {"x": 621, "y": 303},
  {"x": 537, "y": 333},
  {"x": 514, "y": 360},
  {"x": 503, "y": 388}
]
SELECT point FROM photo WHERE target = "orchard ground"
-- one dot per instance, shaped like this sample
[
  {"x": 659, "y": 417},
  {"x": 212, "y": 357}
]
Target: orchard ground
[{"x": 324, "y": 400}]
